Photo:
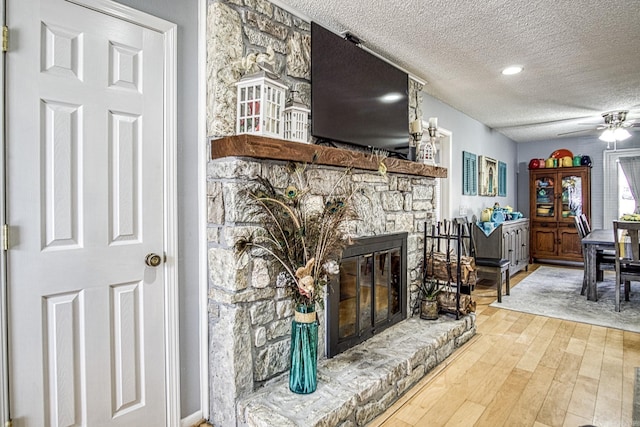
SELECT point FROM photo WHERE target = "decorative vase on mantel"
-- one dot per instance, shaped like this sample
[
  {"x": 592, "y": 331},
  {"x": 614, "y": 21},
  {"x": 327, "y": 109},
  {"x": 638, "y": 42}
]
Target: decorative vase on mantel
[{"x": 303, "y": 375}]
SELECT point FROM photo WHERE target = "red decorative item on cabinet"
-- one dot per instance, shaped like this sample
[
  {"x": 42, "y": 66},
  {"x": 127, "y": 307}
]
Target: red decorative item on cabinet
[{"x": 562, "y": 152}]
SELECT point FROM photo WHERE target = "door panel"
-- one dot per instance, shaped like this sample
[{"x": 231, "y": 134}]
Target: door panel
[
  {"x": 545, "y": 241},
  {"x": 127, "y": 376},
  {"x": 570, "y": 242},
  {"x": 85, "y": 202},
  {"x": 124, "y": 197},
  {"x": 60, "y": 123},
  {"x": 62, "y": 371}
]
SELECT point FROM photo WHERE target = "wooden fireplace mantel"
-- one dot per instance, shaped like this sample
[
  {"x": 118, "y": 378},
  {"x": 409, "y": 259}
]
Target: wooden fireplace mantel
[{"x": 261, "y": 147}]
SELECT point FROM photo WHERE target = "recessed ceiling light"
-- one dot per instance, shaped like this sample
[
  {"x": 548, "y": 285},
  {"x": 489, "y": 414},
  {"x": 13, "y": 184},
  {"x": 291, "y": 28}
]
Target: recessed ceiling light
[{"x": 514, "y": 69}]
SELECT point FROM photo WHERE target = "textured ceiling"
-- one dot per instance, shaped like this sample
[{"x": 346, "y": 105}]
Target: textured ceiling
[{"x": 580, "y": 58}]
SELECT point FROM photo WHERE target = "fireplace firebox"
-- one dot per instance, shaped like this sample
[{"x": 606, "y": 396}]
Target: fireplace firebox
[{"x": 370, "y": 293}]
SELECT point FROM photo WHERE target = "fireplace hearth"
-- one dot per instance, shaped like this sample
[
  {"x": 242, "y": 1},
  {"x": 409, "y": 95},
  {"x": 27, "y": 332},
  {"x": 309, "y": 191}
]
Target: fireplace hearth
[{"x": 371, "y": 292}]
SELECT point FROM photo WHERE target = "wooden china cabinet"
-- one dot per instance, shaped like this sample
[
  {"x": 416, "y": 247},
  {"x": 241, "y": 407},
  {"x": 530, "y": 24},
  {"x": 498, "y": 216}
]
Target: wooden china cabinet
[{"x": 556, "y": 196}]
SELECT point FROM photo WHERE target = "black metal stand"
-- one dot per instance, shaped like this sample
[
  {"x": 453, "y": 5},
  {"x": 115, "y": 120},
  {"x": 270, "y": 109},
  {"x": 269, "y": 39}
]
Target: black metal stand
[{"x": 445, "y": 233}]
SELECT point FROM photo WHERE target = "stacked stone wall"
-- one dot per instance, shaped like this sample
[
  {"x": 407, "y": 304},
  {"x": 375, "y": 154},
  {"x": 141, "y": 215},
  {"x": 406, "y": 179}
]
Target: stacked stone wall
[
  {"x": 242, "y": 32},
  {"x": 249, "y": 317}
]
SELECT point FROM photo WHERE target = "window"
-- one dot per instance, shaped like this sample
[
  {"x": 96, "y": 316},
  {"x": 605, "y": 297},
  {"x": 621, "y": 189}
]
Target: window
[
  {"x": 626, "y": 203},
  {"x": 614, "y": 193}
]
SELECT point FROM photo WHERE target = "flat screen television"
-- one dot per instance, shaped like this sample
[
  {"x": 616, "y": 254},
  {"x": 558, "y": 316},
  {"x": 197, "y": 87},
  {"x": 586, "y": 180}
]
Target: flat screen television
[{"x": 356, "y": 97}]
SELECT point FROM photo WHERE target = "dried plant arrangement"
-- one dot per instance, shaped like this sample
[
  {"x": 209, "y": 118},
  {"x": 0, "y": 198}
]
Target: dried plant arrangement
[{"x": 305, "y": 237}]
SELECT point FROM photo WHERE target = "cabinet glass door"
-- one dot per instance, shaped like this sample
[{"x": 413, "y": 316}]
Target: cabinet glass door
[
  {"x": 571, "y": 196},
  {"x": 545, "y": 196}
]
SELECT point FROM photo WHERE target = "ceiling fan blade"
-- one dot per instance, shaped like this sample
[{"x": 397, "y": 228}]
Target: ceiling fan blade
[
  {"x": 542, "y": 123},
  {"x": 576, "y": 131},
  {"x": 620, "y": 121}
]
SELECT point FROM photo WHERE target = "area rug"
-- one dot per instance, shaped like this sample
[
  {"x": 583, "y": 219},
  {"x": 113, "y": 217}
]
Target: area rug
[{"x": 555, "y": 292}]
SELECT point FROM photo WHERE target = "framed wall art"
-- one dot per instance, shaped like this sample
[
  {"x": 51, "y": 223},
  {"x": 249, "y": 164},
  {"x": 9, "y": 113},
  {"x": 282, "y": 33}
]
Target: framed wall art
[{"x": 488, "y": 176}]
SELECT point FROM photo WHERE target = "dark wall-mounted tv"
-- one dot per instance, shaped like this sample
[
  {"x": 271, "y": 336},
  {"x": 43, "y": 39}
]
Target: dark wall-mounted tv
[{"x": 356, "y": 97}]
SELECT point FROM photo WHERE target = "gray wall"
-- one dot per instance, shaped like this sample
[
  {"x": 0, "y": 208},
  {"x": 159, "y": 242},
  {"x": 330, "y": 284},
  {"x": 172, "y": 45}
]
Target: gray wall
[
  {"x": 472, "y": 136},
  {"x": 586, "y": 145},
  {"x": 185, "y": 15}
]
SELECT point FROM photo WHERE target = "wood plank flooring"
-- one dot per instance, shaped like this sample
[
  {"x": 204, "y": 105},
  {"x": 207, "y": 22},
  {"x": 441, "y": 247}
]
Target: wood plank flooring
[{"x": 526, "y": 370}]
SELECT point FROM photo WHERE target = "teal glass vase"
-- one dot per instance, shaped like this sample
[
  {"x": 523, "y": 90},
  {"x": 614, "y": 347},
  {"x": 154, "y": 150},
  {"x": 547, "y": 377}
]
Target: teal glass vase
[{"x": 303, "y": 374}]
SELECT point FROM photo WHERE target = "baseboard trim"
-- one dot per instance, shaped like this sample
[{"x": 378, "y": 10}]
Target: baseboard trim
[{"x": 192, "y": 420}]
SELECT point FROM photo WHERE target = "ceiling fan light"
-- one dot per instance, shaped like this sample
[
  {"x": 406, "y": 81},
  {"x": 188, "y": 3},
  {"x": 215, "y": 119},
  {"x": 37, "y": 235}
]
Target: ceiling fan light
[
  {"x": 607, "y": 136},
  {"x": 621, "y": 134}
]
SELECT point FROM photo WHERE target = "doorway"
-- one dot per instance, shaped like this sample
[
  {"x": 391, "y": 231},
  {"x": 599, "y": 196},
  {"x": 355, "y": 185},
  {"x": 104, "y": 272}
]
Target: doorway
[
  {"x": 90, "y": 201},
  {"x": 443, "y": 186}
]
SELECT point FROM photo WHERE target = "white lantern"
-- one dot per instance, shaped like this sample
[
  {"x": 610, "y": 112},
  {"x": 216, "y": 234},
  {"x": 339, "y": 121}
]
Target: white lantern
[
  {"x": 427, "y": 151},
  {"x": 260, "y": 105},
  {"x": 296, "y": 119}
]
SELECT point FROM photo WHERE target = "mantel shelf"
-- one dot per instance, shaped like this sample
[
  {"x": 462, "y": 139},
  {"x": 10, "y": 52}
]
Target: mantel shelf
[{"x": 261, "y": 147}]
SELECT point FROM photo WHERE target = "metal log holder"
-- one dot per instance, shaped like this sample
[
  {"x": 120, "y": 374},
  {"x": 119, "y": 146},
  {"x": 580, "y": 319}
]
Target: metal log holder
[{"x": 441, "y": 234}]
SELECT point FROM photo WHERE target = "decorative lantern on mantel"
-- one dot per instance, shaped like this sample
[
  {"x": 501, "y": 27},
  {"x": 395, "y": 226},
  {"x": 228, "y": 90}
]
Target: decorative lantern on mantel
[
  {"x": 260, "y": 105},
  {"x": 427, "y": 151},
  {"x": 296, "y": 119}
]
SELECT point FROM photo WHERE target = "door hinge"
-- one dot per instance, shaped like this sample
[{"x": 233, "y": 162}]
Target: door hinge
[
  {"x": 5, "y": 38},
  {"x": 5, "y": 237},
  {"x": 8, "y": 423}
]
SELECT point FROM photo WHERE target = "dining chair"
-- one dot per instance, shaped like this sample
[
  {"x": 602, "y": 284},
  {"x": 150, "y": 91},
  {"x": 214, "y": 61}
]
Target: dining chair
[
  {"x": 605, "y": 259},
  {"x": 586, "y": 227},
  {"x": 582, "y": 234},
  {"x": 579, "y": 226},
  {"x": 627, "y": 242}
]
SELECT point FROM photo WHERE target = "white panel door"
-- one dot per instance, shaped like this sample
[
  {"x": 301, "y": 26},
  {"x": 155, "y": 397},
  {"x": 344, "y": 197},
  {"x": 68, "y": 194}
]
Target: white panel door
[{"x": 85, "y": 206}]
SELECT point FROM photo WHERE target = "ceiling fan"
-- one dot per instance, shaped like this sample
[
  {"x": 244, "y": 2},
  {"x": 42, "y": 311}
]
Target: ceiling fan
[
  {"x": 612, "y": 120},
  {"x": 614, "y": 128}
]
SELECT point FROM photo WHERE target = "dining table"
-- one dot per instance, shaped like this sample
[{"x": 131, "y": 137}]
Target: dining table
[{"x": 596, "y": 240}]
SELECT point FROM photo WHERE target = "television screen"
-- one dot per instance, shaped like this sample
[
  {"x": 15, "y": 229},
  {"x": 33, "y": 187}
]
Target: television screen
[{"x": 356, "y": 97}]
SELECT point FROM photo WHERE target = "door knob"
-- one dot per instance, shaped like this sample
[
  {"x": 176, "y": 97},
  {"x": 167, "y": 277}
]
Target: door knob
[{"x": 153, "y": 260}]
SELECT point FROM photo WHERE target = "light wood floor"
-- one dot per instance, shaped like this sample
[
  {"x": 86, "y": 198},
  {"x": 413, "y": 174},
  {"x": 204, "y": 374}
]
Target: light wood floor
[{"x": 526, "y": 370}]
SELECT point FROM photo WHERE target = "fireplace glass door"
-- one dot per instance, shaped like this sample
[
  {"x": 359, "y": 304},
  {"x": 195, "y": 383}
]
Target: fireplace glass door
[{"x": 370, "y": 294}]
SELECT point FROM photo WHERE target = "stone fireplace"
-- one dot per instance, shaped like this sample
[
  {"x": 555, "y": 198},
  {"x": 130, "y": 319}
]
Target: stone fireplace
[{"x": 249, "y": 316}]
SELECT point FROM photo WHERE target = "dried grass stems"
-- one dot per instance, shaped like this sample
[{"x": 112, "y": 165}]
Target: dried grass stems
[{"x": 306, "y": 239}]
